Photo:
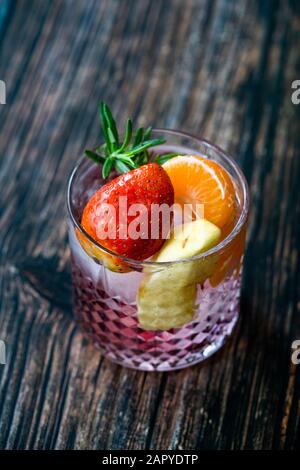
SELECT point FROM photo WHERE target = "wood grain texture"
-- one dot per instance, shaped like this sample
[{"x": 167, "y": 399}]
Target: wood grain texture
[{"x": 218, "y": 68}]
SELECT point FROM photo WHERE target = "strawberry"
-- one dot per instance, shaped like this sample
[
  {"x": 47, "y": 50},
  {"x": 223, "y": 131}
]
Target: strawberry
[{"x": 148, "y": 184}]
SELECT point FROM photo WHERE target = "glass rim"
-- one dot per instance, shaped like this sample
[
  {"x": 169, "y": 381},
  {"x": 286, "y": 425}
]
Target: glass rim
[{"x": 215, "y": 249}]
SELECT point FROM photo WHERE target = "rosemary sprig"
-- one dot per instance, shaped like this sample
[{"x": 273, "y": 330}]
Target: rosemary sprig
[
  {"x": 161, "y": 159},
  {"x": 131, "y": 153}
]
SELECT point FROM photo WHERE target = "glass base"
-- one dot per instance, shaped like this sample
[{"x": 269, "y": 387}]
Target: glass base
[
  {"x": 170, "y": 365},
  {"x": 112, "y": 324}
]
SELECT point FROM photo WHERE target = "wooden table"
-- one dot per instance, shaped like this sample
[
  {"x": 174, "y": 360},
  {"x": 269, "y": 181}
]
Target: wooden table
[{"x": 219, "y": 68}]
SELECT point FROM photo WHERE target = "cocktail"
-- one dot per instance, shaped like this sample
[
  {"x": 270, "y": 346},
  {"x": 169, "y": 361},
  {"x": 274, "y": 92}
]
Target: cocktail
[{"x": 157, "y": 225}]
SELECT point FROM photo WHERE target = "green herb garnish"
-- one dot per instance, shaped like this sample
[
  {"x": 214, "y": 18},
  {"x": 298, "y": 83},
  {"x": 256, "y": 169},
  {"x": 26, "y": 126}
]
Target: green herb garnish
[{"x": 129, "y": 154}]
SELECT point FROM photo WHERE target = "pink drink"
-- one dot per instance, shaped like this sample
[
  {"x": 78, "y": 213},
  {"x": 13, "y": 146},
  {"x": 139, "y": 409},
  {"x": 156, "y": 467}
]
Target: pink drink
[{"x": 105, "y": 302}]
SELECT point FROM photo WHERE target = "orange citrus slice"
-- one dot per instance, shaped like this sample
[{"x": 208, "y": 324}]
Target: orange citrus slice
[
  {"x": 198, "y": 180},
  {"x": 230, "y": 260},
  {"x": 109, "y": 261}
]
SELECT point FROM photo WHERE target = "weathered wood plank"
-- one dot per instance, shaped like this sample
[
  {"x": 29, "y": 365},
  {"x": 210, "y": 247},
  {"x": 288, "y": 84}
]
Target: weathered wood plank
[{"x": 222, "y": 69}]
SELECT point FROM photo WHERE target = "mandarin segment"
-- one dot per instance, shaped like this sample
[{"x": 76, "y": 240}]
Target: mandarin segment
[
  {"x": 198, "y": 180},
  {"x": 230, "y": 260},
  {"x": 111, "y": 262}
]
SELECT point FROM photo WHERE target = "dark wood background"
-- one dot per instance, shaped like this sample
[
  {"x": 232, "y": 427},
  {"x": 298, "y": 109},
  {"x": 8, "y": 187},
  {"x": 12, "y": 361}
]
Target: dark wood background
[{"x": 218, "y": 68}]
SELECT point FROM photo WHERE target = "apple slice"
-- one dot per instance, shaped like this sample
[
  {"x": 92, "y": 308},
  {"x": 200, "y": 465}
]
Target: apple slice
[{"x": 166, "y": 297}]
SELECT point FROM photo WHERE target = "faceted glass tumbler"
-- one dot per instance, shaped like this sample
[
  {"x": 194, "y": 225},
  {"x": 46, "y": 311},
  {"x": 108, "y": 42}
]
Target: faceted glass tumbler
[{"x": 105, "y": 302}]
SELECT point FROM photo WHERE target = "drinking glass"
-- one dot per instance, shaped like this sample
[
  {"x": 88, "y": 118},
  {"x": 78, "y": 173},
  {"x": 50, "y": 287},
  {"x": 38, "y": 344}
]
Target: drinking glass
[{"x": 105, "y": 302}]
